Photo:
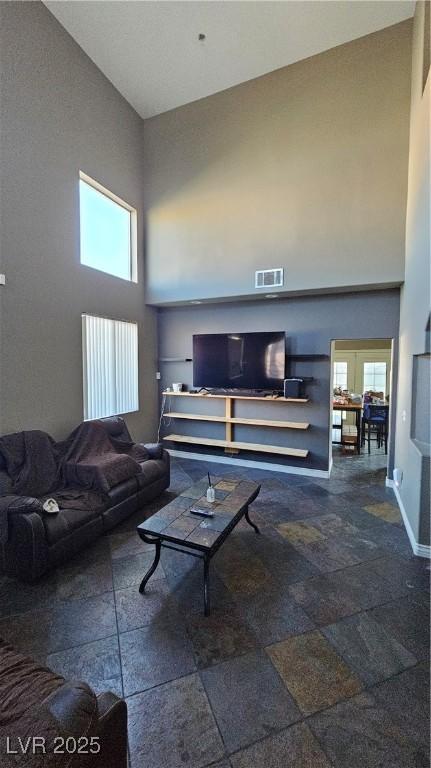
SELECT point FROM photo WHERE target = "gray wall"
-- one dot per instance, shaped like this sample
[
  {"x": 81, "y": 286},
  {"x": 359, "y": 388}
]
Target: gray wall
[
  {"x": 304, "y": 168},
  {"x": 411, "y": 456},
  {"x": 310, "y": 324},
  {"x": 60, "y": 115}
]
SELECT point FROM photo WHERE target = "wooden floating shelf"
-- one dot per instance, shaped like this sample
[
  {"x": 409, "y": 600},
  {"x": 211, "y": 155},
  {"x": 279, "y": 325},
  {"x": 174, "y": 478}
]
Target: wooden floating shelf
[
  {"x": 250, "y": 422},
  {"x": 229, "y": 419},
  {"x": 269, "y": 399},
  {"x": 238, "y": 446}
]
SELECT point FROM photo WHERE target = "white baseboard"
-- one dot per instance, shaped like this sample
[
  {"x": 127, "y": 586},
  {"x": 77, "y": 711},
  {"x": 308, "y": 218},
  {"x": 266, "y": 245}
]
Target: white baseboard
[
  {"x": 320, "y": 473},
  {"x": 420, "y": 550},
  {"x": 423, "y": 550}
]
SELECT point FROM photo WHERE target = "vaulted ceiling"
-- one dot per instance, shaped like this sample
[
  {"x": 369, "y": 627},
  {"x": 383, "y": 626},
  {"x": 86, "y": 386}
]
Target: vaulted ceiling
[{"x": 151, "y": 51}]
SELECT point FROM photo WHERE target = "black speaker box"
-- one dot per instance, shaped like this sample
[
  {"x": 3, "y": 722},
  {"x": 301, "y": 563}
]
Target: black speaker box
[{"x": 293, "y": 387}]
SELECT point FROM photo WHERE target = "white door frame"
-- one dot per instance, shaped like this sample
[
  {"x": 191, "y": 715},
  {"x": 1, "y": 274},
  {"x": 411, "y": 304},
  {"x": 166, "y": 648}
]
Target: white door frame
[{"x": 377, "y": 355}]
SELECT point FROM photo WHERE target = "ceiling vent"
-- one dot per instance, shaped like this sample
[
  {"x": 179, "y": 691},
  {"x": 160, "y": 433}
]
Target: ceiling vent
[{"x": 269, "y": 278}]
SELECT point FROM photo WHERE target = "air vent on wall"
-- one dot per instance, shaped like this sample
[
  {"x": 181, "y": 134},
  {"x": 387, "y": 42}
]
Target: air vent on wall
[{"x": 269, "y": 278}]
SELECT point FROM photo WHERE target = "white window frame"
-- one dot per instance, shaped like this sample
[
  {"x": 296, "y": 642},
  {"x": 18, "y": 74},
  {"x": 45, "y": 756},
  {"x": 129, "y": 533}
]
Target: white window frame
[
  {"x": 133, "y": 256},
  {"x": 383, "y": 356},
  {"x": 106, "y": 395},
  {"x": 342, "y": 356},
  {"x": 339, "y": 373}
]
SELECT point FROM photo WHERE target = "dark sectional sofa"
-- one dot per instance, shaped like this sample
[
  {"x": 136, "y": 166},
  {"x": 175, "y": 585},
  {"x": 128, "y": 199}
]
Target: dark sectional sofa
[{"x": 38, "y": 541}]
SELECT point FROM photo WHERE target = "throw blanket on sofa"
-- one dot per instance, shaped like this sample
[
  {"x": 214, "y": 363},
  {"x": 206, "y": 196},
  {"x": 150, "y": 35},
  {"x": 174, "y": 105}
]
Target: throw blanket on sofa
[
  {"x": 32, "y": 462},
  {"x": 78, "y": 472},
  {"x": 89, "y": 458},
  {"x": 93, "y": 459}
]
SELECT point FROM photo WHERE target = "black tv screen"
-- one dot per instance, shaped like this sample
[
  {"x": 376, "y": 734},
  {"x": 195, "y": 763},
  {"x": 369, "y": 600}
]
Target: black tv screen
[{"x": 239, "y": 360}]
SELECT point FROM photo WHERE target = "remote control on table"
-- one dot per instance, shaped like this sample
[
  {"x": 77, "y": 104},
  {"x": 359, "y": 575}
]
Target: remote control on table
[{"x": 202, "y": 512}]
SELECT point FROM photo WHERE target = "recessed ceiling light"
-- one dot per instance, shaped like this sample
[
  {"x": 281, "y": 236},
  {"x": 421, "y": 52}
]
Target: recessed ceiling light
[
  {"x": 195, "y": 301},
  {"x": 271, "y": 296}
]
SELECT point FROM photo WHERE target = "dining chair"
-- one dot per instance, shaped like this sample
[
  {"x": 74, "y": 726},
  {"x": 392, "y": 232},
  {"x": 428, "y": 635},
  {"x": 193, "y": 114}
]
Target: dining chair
[{"x": 375, "y": 420}]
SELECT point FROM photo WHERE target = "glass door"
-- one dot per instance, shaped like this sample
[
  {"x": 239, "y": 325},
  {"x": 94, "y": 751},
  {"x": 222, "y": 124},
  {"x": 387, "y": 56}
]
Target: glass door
[{"x": 344, "y": 364}]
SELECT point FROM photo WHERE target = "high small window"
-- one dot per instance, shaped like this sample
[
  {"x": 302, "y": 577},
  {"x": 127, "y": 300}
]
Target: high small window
[
  {"x": 110, "y": 366},
  {"x": 107, "y": 230},
  {"x": 427, "y": 44}
]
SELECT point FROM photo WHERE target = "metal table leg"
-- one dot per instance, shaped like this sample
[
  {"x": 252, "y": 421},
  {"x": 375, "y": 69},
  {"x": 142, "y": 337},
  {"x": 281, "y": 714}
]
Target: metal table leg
[
  {"x": 152, "y": 568},
  {"x": 358, "y": 431},
  {"x": 246, "y": 515},
  {"x": 207, "y": 586}
]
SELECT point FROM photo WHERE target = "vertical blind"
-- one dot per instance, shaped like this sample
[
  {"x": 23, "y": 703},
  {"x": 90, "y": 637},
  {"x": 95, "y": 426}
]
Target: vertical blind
[{"x": 110, "y": 366}]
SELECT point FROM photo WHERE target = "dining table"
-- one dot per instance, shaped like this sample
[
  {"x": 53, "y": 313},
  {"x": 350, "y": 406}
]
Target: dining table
[{"x": 355, "y": 408}]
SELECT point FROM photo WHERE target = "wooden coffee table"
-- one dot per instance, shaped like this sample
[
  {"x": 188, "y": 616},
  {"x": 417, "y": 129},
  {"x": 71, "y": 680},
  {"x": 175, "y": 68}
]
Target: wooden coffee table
[{"x": 174, "y": 527}]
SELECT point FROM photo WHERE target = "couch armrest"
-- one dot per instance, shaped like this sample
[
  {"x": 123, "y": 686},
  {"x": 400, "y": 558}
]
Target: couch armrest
[
  {"x": 155, "y": 450},
  {"x": 167, "y": 459},
  {"x": 73, "y": 712},
  {"x": 112, "y": 730},
  {"x": 74, "y": 707},
  {"x": 25, "y": 553}
]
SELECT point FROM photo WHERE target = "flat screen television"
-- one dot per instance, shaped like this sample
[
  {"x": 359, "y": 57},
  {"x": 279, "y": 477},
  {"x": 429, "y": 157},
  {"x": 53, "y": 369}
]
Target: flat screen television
[{"x": 239, "y": 360}]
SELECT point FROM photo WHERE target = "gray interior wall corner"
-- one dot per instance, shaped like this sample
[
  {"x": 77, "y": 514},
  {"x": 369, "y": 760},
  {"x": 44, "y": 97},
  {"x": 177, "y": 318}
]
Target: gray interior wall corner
[{"x": 415, "y": 294}]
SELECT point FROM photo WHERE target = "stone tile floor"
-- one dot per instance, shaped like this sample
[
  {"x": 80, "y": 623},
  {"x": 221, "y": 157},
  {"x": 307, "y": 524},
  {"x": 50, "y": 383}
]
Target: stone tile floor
[{"x": 316, "y": 650}]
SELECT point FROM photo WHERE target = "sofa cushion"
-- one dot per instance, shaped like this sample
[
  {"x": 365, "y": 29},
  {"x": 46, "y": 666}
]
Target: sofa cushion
[
  {"x": 122, "y": 491},
  {"x": 64, "y": 522},
  {"x": 115, "y": 515},
  {"x": 152, "y": 470}
]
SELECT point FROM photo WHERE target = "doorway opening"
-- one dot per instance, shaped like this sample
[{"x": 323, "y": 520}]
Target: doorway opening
[{"x": 361, "y": 386}]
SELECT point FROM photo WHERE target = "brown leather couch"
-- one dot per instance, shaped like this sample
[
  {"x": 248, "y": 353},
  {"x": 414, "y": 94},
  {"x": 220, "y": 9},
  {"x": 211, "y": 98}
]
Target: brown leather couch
[
  {"x": 40, "y": 712},
  {"x": 38, "y": 542}
]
